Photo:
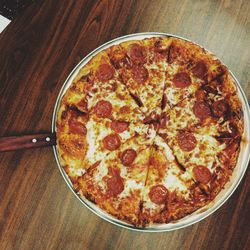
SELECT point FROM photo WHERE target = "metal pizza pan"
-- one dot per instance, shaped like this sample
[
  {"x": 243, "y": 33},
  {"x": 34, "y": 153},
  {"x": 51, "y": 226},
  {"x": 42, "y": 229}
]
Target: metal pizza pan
[{"x": 201, "y": 213}]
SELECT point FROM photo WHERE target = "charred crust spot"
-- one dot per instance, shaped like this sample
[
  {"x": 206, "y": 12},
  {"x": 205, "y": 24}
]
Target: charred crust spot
[
  {"x": 238, "y": 113},
  {"x": 218, "y": 78},
  {"x": 86, "y": 78},
  {"x": 209, "y": 89},
  {"x": 75, "y": 109},
  {"x": 90, "y": 198},
  {"x": 157, "y": 43},
  {"x": 64, "y": 114}
]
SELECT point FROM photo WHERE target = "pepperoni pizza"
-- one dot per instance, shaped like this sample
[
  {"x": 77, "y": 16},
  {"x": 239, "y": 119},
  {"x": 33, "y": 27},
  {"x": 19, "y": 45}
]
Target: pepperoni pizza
[{"x": 150, "y": 130}]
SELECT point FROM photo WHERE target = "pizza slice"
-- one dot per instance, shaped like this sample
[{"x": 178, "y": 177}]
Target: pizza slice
[
  {"x": 157, "y": 52},
  {"x": 116, "y": 182},
  {"x": 179, "y": 85},
  {"x": 142, "y": 66},
  {"x": 97, "y": 89},
  {"x": 203, "y": 65},
  {"x": 72, "y": 138},
  {"x": 192, "y": 148},
  {"x": 210, "y": 162},
  {"x": 189, "y": 67},
  {"x": 167, "y": 194},
  {"x": 210, "y": 110}
]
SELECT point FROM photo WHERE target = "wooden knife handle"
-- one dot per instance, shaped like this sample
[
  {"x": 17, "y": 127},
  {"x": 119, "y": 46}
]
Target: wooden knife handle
[{"x": 26, "y": 141}]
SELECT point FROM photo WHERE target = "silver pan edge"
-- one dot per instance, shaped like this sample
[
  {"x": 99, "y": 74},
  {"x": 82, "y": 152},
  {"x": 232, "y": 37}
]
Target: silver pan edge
[{"x": 201, "y": 213}]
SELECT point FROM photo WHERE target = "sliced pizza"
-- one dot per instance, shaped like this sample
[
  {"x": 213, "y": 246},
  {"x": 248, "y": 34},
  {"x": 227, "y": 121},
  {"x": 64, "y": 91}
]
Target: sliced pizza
[
  {"x": 142, "y": 65},
  {"x": 191, "y": 148},
  {"x": 204, "y": 157},
  {"x": 213, "y": 110},
  {"x": 203, "y": 65},
  {"x": 115, "y": 183},
  {"x": 97, "y": 89},
  {"x": 189, "y": 67},
  {"x": 208, "y": 161},
  {"x": 167, "y": 194}
]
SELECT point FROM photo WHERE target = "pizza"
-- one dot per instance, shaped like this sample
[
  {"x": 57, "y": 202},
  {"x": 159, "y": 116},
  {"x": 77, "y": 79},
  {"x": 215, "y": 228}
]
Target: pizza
[{"x": 150, "y": 130}]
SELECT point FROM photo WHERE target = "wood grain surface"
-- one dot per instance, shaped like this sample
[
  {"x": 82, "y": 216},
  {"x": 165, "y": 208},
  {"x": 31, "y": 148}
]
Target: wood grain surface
[{"x": 37, "y": 52}]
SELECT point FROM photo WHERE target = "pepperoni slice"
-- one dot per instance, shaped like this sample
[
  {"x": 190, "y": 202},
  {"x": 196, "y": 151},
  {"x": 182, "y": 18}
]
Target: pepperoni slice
[
  {"x": 158, "y": 194},
  {"x": 186, "y": 141},
  {"x": 76, "y": 127},
  {"x": 201, "y": 110},
  {"x": 220, "y": 108},
  {"x": 128, "y": 156},
  {"x": 137, "y": 53},
  {"x": 115, "y": 184},
  {"x": 202, "y": 174},
  {"x": 105, "y": 72},
  {"x": 112, "y": 142},
  {"x": 182, "y": 80},
  {"x": 200, "y": 69},
  {"x": 118, "y": 126},
  {"x": 103, "y": 109},
  {"x": 140, "y": 74}
]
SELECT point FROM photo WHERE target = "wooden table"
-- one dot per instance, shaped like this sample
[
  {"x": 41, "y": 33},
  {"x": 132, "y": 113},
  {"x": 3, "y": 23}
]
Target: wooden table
[{"x": 37, "y": 52}]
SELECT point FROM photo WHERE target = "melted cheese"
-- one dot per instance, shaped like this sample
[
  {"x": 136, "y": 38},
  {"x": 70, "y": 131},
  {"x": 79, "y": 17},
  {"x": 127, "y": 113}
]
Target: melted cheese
[
  {"x": 74, "y": 172},
  {"x": 130, "y": 186},
  {"x": 95, "y": 135},
  {"x": 134, "y": 176},
  {"x": 204, "y": 153},
  {"x": 173, "y": 182},
  {"x": 163, "y": 145}
]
